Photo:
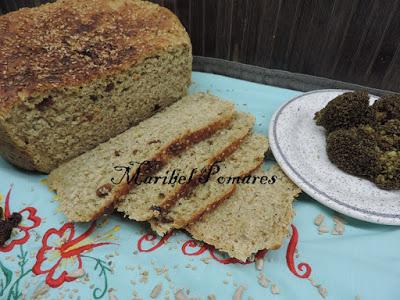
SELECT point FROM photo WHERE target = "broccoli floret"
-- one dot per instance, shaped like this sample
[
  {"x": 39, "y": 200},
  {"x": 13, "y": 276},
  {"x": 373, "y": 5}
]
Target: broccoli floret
[
  {"x": 357, "y": 152},
  {"x": 364, "y": 140},
  {"x": 354, "y": 150},
  {"x": 389, "y": 177},
  {"x": 345, "y": 111},
  {"x": 386, "y": 108},
  {"x": 389, "y": 135}
]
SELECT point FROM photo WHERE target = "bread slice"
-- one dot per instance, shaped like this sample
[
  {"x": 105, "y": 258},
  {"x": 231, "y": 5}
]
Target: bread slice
[
  {"x": 205, "y": 197},
  {"x": 75, "y": 73},
  {"x": 146, "y": 200},
  {"x": 92, "y": 182},
  {"x": 256, "y": 217}
]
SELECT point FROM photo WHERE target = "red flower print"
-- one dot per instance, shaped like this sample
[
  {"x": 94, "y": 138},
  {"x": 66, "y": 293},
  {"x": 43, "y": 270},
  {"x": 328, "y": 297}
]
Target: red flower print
[
  {"x": 61, "y": 253},
  {"x": 29, "y": 222},
  {"x": 290, "y": 254},
  {"x": 150, "y": 237}
]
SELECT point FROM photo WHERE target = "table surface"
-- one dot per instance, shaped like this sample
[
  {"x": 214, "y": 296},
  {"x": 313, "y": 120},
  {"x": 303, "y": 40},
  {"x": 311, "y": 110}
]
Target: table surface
[{"x": 122, "y": 259}]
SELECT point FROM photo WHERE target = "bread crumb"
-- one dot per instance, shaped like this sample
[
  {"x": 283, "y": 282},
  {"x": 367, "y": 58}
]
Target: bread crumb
[
  {"x": 323, "y": 291},
  {"x": 319, "y": 219},
  {"x": 156, "y": 291},
  {"x": 238, "y": 293},
  {"x": 358, "y": 297},
  {"x": 313, "y": 283},
  {"x": 323, "y": 229},
  {"x": 338, "y": 219},
  {"x": 259, "y": 264},
  {"x": 145, "y": 277},
  {"x": 275, "y": 289},
  {"x": 339, "y": 225},
  {"x": 262, "y": 280},
  {"x": 211, "y": 297},
  {"x": 77, "y": 273},
  {"x": 111, "y": 296},
  {"x": 205, "y": 260},
  {"x": 40, "y": 292},
  {"x": 180, "y": 295}
]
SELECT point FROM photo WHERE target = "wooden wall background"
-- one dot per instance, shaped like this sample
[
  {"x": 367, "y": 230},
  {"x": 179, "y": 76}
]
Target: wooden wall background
[{"x": 356, "y": 41}]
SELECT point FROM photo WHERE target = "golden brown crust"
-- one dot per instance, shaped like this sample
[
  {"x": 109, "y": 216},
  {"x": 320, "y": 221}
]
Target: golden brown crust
[
  {"x": 71, "y": 42},
  {"x": 188, "y": 140}
]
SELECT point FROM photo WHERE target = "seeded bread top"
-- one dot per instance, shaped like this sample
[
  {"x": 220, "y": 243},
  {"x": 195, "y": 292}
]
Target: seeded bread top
[{"x": 70, "y": 42}]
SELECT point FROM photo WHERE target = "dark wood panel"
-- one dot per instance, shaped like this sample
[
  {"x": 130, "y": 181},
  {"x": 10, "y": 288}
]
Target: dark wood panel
[
  {"x": 286, "y": 27},
  {"x": 338, "y": 26},
  {"x": 316, "y": 37},
  {"x": 391, "y": 78},
  {"x": 223, "y": 28},
  {"x": 350, "y": 40},
  {"x": 196, "y": 25},
  {"x": 386, "y": 52},
  {"x": 374, "y": 32},
  {"x": 300, "y": 43},
  {"x": 353, "y": 39},
  {"x": 210, "y": 24},
  {"x": 260, "y": 53}
]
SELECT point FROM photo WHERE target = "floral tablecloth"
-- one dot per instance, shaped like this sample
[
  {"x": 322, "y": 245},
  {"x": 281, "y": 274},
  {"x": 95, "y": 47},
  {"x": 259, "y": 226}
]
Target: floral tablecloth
[{"x": 48, "y": 258}]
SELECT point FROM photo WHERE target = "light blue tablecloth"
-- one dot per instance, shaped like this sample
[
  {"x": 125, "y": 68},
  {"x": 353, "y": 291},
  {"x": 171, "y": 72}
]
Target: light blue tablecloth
[{"x": 365, "y": 261}]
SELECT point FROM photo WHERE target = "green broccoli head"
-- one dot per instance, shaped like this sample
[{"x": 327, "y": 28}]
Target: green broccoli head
[
  {"x": 364, "y": 140},
  {"x": 354, "y": 150},
  {"x": 345, "y": 111},
  {"x": 389, "y": 164},
  {"x": 386, "y": 108},
  {"x": 359, "y": 151},
  {"x": 389, "y": 135}
]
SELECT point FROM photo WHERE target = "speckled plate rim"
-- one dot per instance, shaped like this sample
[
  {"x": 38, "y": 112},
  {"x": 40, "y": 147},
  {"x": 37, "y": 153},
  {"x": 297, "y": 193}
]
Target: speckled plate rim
[{"x": 321, "y": 196}]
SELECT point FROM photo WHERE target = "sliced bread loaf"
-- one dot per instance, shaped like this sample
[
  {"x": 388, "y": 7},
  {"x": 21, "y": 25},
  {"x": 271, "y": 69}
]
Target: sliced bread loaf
[
  {"x": 146, "y": 200},
  {"x": 205, "y": 197},
  {"x": 75, "y": 73},
  {"x": 92, "y": 182},
  {"x": 256, "y": 217}
]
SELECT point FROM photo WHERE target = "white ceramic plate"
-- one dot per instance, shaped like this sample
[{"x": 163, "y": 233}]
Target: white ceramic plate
[{"x": 299, "y": 144}]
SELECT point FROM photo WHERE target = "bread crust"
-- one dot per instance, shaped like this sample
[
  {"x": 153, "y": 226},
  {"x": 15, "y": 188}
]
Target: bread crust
[
  {"x": 73, "y": 42},
  {"x": 18, "y": 156}
]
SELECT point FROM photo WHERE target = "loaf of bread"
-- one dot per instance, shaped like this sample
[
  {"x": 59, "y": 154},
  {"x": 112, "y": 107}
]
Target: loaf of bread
[
  {"x": 206, "y": 197},
  {"x": 146, "y": 200},
  {"x": 75, "y": 73},
  {"x": 256, "y": 217},
  {"x": 85, "y": 185}
]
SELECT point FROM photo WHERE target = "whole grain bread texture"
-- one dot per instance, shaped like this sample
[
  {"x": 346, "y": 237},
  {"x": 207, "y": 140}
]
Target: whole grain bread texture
[
  {"x": 206, "y": 197},
  {"x": 89, "y": 184},
  {"x": 255, "y": 217},
  {"x": 153, "y": 198},
  {"x": 76, "y": 73}
]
